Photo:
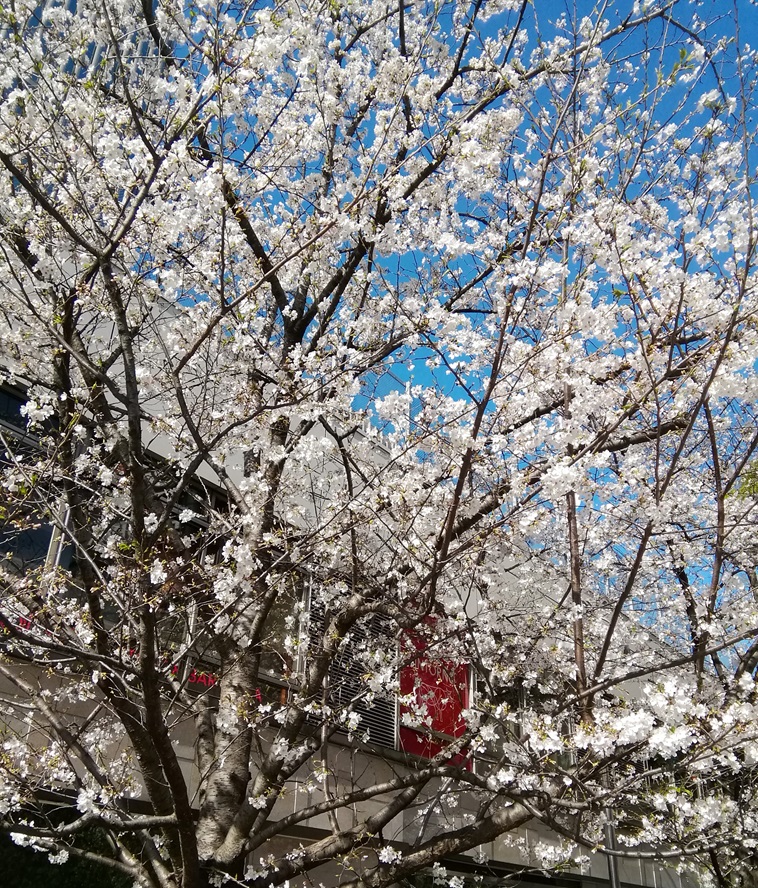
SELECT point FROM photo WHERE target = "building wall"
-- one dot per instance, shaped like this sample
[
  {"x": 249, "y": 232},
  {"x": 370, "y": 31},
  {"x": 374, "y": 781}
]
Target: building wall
[{"x": 351, "y": 763}]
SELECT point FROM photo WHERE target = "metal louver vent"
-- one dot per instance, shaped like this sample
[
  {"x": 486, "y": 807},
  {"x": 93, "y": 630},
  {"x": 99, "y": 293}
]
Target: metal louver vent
[{"x": 349, "y": 673}]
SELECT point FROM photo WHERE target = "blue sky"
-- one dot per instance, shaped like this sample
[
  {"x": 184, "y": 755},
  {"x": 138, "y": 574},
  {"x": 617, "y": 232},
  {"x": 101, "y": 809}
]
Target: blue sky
[{"x": 673, "y": 105}]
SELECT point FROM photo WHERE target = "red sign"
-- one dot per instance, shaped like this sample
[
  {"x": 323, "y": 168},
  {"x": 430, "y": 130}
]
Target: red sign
[{"x": 442, "y": 687}]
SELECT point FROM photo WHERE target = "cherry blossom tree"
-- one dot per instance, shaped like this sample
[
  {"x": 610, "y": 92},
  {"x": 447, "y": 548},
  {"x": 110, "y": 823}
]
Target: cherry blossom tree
[{"x": 346, "y": 345}]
